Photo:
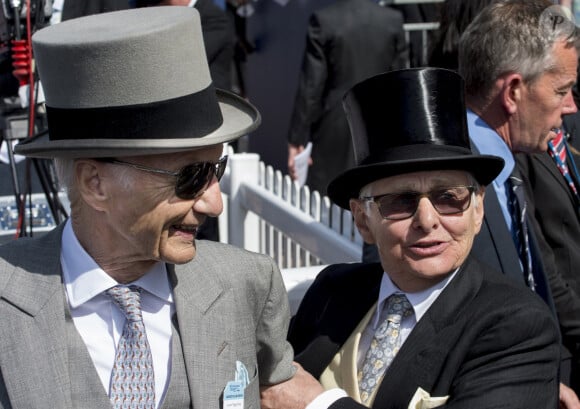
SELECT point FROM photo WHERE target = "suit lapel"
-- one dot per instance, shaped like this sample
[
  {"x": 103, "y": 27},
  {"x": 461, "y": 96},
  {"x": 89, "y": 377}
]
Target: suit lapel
[
  {"x": 206, "y": 332},
  {"x": 343, "y": 369},
  {"x": 494, "y": 242},
  {"x": 542, "y": 287},
  {"x": 86, "y": 388},
  {"x": 548, "y": 163},
  {"x": 494, "y": 245},
  {"x": 33, "y": 308}
]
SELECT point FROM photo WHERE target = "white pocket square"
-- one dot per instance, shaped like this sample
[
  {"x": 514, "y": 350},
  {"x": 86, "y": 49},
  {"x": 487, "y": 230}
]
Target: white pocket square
[{"x": 423, "y": 400}]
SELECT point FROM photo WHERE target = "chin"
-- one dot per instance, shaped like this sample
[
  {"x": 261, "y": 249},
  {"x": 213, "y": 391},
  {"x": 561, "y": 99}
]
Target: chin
[
  {"x": 179, "y": 257},
  {"x": 178, "y": 261},
  {"x": 433, "y": 275},
  {"x": 433, "y": 270}
]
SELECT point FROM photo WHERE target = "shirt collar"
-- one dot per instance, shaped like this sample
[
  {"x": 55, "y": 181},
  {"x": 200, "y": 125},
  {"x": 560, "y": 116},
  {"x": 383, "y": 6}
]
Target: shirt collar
[
  {"x": 420, "y": 301},
  {"x": 84, "y": 279},
  {"x": 488, "y": 142}
]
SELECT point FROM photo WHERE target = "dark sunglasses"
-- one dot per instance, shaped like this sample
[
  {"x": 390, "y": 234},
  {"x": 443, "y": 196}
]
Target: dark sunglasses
[
  {"x": 191, "y": 180},
  {"x": 403, "y": 205}
]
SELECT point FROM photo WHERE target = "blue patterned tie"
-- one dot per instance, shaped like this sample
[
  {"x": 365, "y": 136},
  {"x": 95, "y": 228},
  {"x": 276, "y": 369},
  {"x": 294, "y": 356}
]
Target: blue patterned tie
[
  {"x": 132, "y": 378},
  {"x": 518, "y": 209},
  {"x": 384, "y": 346}
]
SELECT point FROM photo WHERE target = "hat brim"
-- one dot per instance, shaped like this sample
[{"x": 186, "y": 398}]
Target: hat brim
[
  {"x": 239, "y": 118},
  {"x": 347, "y": 185}
]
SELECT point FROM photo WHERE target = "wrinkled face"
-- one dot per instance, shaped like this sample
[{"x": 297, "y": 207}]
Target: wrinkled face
[
  {"x": 145, "y": 219},
  {"x": 419, "y": 251},
  {"x": 544, "y": 101}
]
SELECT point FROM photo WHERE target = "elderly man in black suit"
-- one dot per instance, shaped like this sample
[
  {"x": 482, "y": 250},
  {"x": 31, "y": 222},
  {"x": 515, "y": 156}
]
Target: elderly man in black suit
[{"x": 429, "y": 325}]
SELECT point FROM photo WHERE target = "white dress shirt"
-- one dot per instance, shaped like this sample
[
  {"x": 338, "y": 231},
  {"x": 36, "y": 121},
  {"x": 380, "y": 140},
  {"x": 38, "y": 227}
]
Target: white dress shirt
[
  {"x": 100, "y": 322},
  {"x": 420, "y": 302}
]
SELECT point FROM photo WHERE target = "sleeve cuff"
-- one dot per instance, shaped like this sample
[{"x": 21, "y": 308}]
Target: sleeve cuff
[{"x": 327, "y": 398}]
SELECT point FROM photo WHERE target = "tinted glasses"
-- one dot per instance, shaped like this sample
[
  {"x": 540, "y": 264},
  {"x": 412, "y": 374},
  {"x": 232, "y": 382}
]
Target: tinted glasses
[
  {"x": 402, "y": 205},
  {"x": 191, "y": 180}
]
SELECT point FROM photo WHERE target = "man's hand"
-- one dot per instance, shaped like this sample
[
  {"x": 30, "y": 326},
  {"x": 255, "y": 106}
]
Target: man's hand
[
  {"x": 568, "y": 398},
  {"x": 294, "y": 150},
  {"x": 295, "y": 393}
]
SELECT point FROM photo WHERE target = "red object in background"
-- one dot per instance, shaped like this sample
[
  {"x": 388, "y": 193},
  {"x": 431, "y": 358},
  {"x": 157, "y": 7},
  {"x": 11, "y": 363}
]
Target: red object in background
[{"x": 21, "y": 61}]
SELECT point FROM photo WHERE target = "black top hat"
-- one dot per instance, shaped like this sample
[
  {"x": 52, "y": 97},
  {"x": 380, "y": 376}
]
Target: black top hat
[
  {"x": 132, "y": 82},
  {"x": 408, "y": 121}
]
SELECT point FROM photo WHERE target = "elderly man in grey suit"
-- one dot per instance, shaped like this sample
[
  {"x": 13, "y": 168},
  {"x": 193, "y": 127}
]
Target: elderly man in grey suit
[{"x": 120, "y": 306}]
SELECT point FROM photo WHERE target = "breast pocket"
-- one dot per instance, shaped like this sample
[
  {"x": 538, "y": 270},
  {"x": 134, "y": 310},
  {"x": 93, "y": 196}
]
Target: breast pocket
[{"x": 252, "y": 391}]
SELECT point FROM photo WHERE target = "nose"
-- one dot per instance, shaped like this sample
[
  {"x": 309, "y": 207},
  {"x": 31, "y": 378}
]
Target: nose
[
  {"x": 210, "y": 201},
  {"x": 426, "y": 217},
  {"x": 569, "y": 106}
]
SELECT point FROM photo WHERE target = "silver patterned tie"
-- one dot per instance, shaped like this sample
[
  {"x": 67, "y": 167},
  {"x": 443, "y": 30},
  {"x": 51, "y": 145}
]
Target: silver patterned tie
[
  {"x": 132, "y": 378},
  {"x": 384, "y": 346}
]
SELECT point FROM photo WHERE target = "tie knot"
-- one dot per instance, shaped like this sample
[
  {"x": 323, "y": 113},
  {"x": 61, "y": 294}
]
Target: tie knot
[
  {"x": 128, "y": 299},
  {"x": 398, "y": 307}
]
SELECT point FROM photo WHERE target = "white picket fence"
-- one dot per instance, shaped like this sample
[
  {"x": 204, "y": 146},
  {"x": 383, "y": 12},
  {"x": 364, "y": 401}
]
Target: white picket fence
[{"x": 265, "y": 211}]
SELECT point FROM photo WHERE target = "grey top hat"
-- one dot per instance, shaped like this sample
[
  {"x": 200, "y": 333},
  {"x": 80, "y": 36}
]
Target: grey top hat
[{"x": 132, "y": 82}]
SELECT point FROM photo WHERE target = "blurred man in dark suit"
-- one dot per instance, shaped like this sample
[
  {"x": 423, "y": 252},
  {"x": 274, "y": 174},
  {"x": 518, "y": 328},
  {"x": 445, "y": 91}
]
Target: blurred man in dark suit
[
  {"x": 218, "y": 36},
  {"x": 348, "y": 41},
  {"x": 79, "y": 8}
]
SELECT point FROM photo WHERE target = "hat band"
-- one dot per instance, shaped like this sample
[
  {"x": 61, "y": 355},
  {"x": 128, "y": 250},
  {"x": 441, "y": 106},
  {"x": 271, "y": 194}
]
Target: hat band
[{"x": 191, "y": 116}]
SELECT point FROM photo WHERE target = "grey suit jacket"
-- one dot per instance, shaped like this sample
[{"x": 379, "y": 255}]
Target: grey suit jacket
[{"x": 231, "y": 305}]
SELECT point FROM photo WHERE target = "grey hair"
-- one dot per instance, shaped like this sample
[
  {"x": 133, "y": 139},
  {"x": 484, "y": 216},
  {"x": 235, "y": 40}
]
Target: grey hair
[
  {"x": 65, "y": 173},
  {"x": 477, "y": 187},
  {"x": 64, "y": 168},
  {"x": 511, "y": 36}
]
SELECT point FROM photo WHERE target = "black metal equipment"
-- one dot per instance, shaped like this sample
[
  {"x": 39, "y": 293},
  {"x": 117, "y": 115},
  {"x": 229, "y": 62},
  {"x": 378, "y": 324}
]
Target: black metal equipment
[{"x": 18, "y": 21}]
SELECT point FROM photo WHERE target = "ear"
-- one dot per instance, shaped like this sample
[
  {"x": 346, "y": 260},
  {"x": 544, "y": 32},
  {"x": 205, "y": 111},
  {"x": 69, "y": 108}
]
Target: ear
[
  {"x": 479, "y": 213},
  {"x": 361, "y": 220},
  {"x": 92, "y": 190},
  {"x": 512, "y": 87}
]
